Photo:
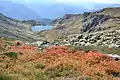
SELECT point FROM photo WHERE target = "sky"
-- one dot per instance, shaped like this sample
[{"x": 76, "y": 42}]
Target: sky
[{"x": 70, "y": 1}]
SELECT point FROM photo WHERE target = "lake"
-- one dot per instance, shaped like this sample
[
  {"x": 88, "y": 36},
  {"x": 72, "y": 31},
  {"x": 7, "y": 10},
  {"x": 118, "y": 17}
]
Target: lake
[{"x": 40, "y": 28}]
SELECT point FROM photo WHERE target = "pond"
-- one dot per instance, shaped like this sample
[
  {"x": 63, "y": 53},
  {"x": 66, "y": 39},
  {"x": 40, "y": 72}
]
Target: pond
[{"x": 40, "y": 28}]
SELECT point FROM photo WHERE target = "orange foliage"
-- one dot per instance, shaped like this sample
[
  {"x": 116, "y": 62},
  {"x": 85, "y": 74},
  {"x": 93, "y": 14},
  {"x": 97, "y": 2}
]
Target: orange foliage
[
  {"x": 27, "y": 52},
  {"x": 24, "y": 49},
  {"x": 92, "y": 63}
]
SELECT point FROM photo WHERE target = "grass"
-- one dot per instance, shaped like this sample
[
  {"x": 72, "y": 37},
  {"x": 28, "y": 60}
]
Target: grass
[
  {"x": 82, "y": 48},
  {"x": 4, "y": 77},
  {"x": 101, "y": 49},
  {"x": 88, "y": 78},
  {"x": 40, "y": 66},
  {"x": 44, "y": 69},
  {"x": 55, "y": 73},
  {"x": 41, "y": 76},
  {"x": 12, "y": 55}
]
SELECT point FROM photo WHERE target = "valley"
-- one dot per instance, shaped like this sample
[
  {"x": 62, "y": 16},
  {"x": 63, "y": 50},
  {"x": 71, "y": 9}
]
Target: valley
[{"x": 75, "y": 47}]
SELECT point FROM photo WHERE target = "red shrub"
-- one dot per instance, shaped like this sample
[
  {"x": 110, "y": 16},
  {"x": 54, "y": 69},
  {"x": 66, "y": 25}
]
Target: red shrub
[{"x": 92, "y": 63}]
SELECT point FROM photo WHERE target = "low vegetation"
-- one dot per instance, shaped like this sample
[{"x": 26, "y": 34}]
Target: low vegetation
[
  {"x": 4, "y": 77},
  {"x": 101, "y": 49},
  {"x": 40, "y": 66},
  {"x": 25, "y": 62},
  {"x": 57, "y": 73},
  {"x": 11, "y": 55}
]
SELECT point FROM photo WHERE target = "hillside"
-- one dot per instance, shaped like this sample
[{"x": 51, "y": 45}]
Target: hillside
[
  {"x": 27, "y": 62},
  {"x": 105, "y": 19},
  {"x": 12, "y": 28}
]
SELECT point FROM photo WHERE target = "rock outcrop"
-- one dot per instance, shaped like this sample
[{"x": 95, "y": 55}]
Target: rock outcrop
[
  {"x": 93, "y": 21},
  {"x": 103, "y": 38},
  {"x": 106, "y": 19}
]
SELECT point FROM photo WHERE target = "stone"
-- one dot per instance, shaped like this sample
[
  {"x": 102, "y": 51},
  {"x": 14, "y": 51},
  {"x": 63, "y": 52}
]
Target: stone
[
  {"x": 39, "y": 43},
  {"x": 80, "y": 36},
  {"x": 113, "y": 45}
]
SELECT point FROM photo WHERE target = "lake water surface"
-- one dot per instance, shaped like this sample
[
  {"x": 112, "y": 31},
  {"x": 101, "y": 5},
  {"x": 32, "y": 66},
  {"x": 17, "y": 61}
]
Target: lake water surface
[{"x": 40, "y": 28}]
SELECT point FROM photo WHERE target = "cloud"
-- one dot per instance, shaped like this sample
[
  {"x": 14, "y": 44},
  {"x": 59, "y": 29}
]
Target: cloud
[
  {"x": 71, "y": 1},
  {"x": 96, "y": 1},
  {"x": 106, "y": 1}
]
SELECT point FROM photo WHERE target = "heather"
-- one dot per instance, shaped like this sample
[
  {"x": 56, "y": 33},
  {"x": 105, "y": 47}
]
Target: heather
[{"x": 27, "y": 62}]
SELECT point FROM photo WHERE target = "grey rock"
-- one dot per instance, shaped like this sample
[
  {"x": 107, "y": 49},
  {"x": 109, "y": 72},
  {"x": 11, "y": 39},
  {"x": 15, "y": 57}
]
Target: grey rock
[{"x": 106, "y": 38}]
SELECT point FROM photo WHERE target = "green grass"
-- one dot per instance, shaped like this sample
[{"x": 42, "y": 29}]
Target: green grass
[
  {"x": 88, "y": 78},
  {"x": 12, "y": 55},
  {"x": 4, "y": 77},
  {"x": 41, "y": 76},
  {"x": 53, "y": 73},
  {"x": 101, "y": 49},
  {"x": 40, "y": 66},
  {"x": 82, "y": 48}
]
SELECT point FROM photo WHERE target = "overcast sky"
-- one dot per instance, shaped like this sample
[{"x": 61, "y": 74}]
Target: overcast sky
[{"x": 70, "y": 1}]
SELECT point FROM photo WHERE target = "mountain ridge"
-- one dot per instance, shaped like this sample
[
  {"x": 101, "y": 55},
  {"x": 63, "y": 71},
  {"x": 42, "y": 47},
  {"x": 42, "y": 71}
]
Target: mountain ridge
[
  {"x": 20, "y": 12},
  {"x": 105, "y": 19},
  {"x": 57, "y": 10}
]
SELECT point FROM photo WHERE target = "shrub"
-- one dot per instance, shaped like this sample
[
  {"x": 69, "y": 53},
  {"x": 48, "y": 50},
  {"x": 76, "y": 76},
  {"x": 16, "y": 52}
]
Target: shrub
[
  {"x": 4, "y": 77},
  {"x": 11, "y": 55},
  {"x": 40, "y": 66},
  {"x": 53, "y": 73},
  {"x": 106, "y": 50},
  {"x": 41, "y": 76},
  {"x": 86, "y": 48},
  {"x": 101, "y": 49},
  {"x": 88, "y": 78},
  {"x": 59, "y": 71},
  {"x": 82, "y": 48}
]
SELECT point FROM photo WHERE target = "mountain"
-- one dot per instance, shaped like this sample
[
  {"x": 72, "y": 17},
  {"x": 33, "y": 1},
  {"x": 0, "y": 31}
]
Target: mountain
[
  {"x": 54, "y": 10},
  {"x": 103, "y": 20},
  {"x": 17, "y": 11},
  {"x": 20, "y": 12},
  {"x": 46, "y": 21},
  {"x": 11, "y": 28}
]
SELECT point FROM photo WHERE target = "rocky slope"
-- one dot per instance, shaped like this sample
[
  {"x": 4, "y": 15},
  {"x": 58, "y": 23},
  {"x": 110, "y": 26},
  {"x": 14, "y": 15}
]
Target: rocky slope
[
  {"x": 106, "y": 19},
  {"x": 12, "y": 28},
  {"x": 109, "y": 38}
]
